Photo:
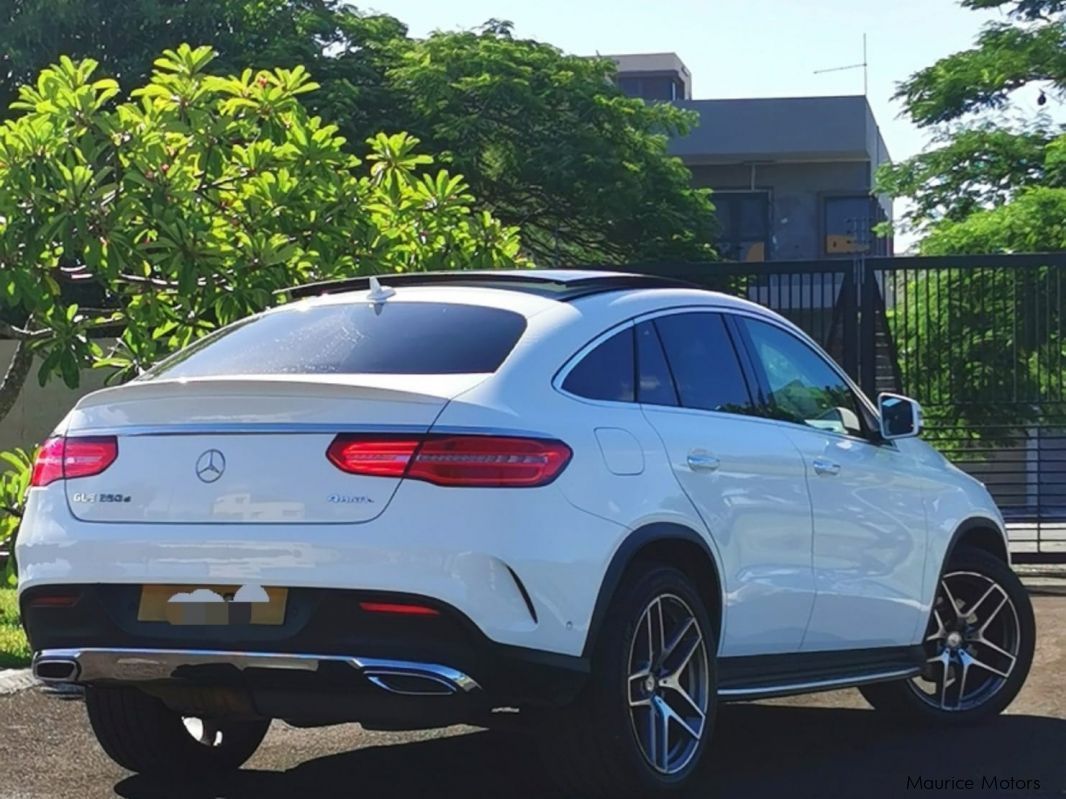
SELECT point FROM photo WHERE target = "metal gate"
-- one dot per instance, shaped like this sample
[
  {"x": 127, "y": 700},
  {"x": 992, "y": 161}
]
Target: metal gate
[{"x": 978, "y": 340}]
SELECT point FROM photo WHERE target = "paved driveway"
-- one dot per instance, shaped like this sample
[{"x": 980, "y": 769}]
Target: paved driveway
[{"x": 827, "y": 745}]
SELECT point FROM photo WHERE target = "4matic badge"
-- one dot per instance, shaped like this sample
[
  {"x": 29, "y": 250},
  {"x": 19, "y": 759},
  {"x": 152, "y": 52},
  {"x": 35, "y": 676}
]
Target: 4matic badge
[{"x": 350, "y": 499}]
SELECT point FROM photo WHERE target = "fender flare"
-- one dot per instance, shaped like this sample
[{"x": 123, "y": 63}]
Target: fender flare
[
  {"x": 623, "y": 557},
  {"x": 966, "y": 526}
]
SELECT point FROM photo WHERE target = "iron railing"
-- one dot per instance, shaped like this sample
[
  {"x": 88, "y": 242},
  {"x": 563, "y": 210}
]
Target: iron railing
[{"x": 980, "y": 341}]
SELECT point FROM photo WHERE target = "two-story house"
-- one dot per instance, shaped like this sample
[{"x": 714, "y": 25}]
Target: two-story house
[{"x": 792, "y": 177}]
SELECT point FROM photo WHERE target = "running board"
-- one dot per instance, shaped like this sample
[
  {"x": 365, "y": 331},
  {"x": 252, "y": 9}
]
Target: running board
[{"x": 765, "y": 676}]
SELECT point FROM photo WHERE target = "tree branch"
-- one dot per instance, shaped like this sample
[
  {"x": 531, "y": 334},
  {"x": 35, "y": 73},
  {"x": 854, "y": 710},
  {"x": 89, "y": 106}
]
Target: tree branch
[
  {"x": 22, "y": 334},
  {"x": 15, "y": 377}
]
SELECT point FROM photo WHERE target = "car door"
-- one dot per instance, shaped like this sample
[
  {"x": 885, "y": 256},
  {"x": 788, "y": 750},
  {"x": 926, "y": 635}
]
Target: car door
[
  {"x": 869, "y": 518},
  {"x": 741, "y": 472}
]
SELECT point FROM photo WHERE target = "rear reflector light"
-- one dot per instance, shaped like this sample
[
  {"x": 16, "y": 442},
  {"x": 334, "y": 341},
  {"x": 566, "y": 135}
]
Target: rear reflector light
[
  {"x": 398, "y": 609},
  {"x": 54, "y": 601},
  {"x": 66, "y": 458},
  {"x": 465, "y": 460}
]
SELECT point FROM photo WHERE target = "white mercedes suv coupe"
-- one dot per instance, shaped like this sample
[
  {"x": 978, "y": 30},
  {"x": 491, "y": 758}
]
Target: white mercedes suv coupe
[{"x": 607, "y": 502}]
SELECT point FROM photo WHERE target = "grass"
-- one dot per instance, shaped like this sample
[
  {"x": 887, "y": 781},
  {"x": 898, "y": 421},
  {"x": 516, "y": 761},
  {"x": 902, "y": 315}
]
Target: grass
[{"x": 14, "y": 651}]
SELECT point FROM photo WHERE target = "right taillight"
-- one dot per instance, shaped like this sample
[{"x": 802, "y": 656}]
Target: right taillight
[
  {"x": 459, "y": 460},
  {"x": 66, "y": 458}
]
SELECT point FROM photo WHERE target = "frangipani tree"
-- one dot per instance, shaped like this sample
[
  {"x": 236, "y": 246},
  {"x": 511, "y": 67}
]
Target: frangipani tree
[{"x": 187, "y": 205}]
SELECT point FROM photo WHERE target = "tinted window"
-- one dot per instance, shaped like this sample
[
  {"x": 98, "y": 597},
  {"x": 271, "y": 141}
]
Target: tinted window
[
  {"x": 607, "y": 372},
  {"x": 803, "y": 387},
  {"x": 703, "y": 362},
  {"x": 388, "y": 338},
  {"x": 656, "y": 385}
]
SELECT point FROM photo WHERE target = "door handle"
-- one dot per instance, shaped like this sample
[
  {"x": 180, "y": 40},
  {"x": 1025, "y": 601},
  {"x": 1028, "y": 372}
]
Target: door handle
[
  {"x": 703, "y": 462},
  {"x": 823, "y": 466}
]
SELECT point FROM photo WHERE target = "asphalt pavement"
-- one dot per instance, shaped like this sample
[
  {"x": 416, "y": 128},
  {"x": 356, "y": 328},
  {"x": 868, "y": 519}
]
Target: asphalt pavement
[{"x": 824, "y": 745}]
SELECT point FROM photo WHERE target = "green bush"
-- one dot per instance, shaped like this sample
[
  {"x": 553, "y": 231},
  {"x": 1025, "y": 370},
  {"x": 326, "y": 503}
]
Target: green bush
[
  {"x": 14, "y": 480},
  {"x": 14, "y": 650}
]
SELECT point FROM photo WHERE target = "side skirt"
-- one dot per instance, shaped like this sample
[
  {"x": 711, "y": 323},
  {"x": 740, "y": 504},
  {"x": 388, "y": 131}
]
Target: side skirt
[{"x": 763, "y": 676}]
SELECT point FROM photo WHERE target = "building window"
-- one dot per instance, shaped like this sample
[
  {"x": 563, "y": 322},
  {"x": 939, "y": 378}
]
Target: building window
[
  {"x": 651, "y": 87},
  {"x": 849, "y": 222},
  {"x": 743, "y": 224}
]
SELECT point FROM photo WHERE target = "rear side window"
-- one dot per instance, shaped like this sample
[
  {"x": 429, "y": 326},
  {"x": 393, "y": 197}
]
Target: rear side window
[
  {"x": 607, "y": 372},
  {"x": 704, "y": 363},
  {"x": 387, "y": 338}
]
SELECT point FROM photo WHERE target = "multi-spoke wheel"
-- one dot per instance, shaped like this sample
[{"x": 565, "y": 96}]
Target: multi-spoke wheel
[
  {"x": 641, "y": 727},
  {"x": 142, "y": 734},
  {"x": 668, "y": 684},
  {"x": 978, "y": 645}
]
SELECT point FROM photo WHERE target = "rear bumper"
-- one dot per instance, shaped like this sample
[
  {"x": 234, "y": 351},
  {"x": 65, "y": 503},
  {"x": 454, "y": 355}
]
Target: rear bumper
[
  {"x": 328, "y": 661},
  {"x": 523, "y": 565},
  {"x": 131, "y": 666}
]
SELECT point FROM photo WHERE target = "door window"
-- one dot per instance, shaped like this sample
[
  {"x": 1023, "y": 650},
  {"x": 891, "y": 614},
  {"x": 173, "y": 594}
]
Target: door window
[
  {"x": 803, "y": 387},
  {"x": 704, "y": 363},
  {"x": 656, "y": 384}
]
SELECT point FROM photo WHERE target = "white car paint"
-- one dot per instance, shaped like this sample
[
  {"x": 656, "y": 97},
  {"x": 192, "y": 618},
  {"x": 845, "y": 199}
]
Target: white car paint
[{"x": 806, "y": 561}]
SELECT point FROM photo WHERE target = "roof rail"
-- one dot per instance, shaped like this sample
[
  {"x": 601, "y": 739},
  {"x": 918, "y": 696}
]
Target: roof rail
[{"x": 559, "y": 284}]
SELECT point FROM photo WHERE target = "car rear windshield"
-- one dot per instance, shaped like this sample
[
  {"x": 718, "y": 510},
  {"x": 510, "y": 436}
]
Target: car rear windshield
[{"x": 386, "y": 338}]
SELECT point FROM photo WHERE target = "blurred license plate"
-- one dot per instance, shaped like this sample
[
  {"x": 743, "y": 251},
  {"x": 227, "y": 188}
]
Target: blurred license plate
[{"x": 212, "y": 605}]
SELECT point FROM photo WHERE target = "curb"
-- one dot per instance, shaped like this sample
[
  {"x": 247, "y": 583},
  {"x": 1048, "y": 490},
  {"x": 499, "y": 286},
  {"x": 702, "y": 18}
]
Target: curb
[
  {"x": 1044, "y": 585},
  {"x": 14, "y": 680}
]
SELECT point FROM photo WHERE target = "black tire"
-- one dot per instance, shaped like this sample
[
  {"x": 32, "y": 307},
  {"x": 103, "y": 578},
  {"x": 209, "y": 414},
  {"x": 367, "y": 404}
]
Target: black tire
[
  {"x": 592, "y": 748},
  {"x": 142, "y": 734},
  {"x": 902, "y": 698}
]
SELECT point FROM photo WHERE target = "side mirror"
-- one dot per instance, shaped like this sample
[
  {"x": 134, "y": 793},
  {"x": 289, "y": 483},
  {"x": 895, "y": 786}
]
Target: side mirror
[{"x": 901, "y": 417}]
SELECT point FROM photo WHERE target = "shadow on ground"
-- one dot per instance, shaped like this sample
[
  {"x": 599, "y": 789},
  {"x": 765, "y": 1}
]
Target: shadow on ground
[{"x": 759, "y": 750}]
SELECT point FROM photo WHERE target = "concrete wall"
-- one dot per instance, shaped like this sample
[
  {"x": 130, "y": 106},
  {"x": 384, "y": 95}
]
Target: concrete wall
[
  {"x": 795, "y": 197},
  {"x": 39, "y": 409}
]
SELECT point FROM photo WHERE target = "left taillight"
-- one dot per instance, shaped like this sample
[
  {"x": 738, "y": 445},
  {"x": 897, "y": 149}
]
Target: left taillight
[
  {"x": 453, "y": 460},
  {"x": 63, "y": 458}
]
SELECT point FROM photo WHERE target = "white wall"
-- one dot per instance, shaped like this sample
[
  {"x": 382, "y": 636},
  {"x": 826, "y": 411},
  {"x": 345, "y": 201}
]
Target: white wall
[{"x": 37, "y": 409}]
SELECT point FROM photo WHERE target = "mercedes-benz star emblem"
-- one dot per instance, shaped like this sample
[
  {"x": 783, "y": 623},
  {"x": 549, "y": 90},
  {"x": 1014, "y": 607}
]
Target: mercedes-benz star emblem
[{"x": 210, "y": 466}]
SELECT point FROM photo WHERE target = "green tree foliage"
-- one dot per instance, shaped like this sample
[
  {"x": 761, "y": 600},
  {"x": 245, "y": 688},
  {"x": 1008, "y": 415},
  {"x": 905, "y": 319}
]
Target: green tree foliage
[
  {"x": 972, "y": 339},
  {"x": 545, "y": 140},
  {"x": 980, "y": 159},
  {"x": 188, "y": 205},
  {"x": 1030, "y": 47},
  {"x": 971, "y": 169}
]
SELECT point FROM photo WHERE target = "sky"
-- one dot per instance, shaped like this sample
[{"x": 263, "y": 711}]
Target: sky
[{"x": 744, "y": 48}]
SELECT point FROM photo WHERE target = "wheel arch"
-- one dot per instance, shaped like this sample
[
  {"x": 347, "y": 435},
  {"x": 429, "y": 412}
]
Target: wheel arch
[
  {"x": 979, "y": 532},
  {"x": 670, "y": 544}
]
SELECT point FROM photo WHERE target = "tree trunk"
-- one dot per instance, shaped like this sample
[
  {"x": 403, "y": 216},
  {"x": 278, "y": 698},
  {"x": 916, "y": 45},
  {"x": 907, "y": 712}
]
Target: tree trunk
[{"x": 15, "y": 377}]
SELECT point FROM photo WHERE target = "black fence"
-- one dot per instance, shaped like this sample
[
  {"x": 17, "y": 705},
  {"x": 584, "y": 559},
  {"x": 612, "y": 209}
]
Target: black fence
[{"x": 978, "y": 340}]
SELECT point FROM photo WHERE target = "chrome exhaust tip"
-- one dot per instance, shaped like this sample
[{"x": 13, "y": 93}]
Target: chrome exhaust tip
[
  {"x": 412, "y": 684},
  {"x": 56, "y": 669},
  {"x": 416, "y": 679}
]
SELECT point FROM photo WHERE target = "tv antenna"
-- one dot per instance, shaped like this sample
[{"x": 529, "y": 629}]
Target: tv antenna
[{"x": 864, "y": 66}]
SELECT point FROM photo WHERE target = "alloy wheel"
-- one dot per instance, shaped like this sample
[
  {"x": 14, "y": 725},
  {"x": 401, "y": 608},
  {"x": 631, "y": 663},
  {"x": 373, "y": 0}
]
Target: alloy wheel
[
  {"x": 668, "y": 684},
  {"x": 972, "y": 643}
]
